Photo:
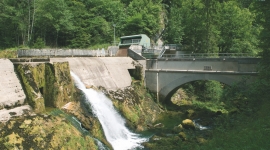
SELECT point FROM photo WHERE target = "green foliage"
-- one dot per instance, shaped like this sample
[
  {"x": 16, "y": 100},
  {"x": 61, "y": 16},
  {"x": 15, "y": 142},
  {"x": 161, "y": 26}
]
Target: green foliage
[
  {"x": 39, "y": 43},
  {"x": 237, "y": 31},
  {"x": 198, "y": 25},
  {"x": 212, "y": 26},
  {"x": 8, "y": 53},
  {"x": 204, "y": 90},
  {"x": 143, "y": 17}
]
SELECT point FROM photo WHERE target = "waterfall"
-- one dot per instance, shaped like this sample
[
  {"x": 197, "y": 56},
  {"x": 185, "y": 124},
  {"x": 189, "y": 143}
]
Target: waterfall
[{"x": 112, "y": 123}]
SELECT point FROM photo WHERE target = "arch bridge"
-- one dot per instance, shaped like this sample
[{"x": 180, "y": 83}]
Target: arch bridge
[{"x": 165, "y": 75}]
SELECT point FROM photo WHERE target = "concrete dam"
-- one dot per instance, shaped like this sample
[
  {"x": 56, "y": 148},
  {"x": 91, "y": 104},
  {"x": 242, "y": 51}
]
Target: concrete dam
[
  {"x": 26, "y": 86},
  {"x": 109, "y": 72}
]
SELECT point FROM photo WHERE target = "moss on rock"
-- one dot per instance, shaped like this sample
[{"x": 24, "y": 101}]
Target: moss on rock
[
  {"x": 44, "y": 132},
  {"x": 31, "y": 88},
  {"x": 46, "y": 84},
  {"x": 136, "y": 105}
]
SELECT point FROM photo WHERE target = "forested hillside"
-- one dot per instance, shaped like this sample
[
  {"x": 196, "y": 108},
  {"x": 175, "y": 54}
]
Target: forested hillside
[{"x": 199, "y": 25}]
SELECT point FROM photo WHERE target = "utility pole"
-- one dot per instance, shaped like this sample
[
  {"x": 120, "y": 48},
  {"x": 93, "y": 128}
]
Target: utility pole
[{"x": 114, "y": 34}]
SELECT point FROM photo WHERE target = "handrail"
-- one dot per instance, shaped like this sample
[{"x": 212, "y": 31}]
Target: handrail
[
  {"x": 208, "y": 55},
  {"x": 162, "y": 52}
]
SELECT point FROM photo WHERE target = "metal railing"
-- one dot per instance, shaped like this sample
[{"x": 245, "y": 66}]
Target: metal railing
[
  {"x": 208, "y": 55},
  {"x": 66, "y": 53}
]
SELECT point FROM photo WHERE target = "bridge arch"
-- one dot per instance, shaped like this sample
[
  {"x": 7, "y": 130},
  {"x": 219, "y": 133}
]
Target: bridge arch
[{"x": 170, "y": 88}]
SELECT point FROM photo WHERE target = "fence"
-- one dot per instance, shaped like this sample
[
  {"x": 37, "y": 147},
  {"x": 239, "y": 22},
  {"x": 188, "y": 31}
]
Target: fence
[
  {"x": 67, "y": 52},
  {"x": 208, "y": 55}
]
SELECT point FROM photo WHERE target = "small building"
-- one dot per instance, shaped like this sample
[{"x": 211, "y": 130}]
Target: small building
[
  {"x": 127, "y": 41},
  {"x": 140, "y": 39}
]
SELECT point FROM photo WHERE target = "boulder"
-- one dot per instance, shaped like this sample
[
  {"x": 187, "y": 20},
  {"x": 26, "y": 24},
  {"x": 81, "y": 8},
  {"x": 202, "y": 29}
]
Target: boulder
[
  {"x": 158, "y": 125},
  {"x": 178, "y": 128},
  {"x": 183, "y": 136},
  {"x": 188, "y": 124},
  {"x": 201, "y": 140}
]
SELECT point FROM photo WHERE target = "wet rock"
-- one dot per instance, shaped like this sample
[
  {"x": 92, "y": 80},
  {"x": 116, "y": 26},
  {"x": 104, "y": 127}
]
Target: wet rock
[
  {"x": 155, "y": 138},
  {"x": 183, "y": 136},
  {"x": 178, "y": 128},
  {"x": 188, "y": 124},
  {"x": 158, "y": 125},
  {"x": 201, "y": 140},
  {"x": 190, "y": 113}
]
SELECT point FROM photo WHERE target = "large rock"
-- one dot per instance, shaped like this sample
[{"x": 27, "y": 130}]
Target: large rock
[{"x": 188, "y": 124}]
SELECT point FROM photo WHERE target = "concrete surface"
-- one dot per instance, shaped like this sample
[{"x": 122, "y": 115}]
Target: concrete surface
[
  {"x": 109, "y": 72},
  {"x": 11, "y": 92},
  {"x": 5, "y": 114},
  {"x": 12, "y": 96}
]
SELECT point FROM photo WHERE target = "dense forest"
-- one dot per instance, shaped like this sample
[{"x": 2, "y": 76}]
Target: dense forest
[{"x": 199, "y": 25}]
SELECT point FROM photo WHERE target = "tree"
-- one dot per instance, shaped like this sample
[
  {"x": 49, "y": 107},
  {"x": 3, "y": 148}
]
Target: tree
[
  {"x": 143, "y": 18},
  {"x": 174, "y": 28},
  {"x": 17, "y": 21},
  {"x": 53, "y": 17},
  {"x": 237, "y": 31},
  {"x": 263, "y": 16}
]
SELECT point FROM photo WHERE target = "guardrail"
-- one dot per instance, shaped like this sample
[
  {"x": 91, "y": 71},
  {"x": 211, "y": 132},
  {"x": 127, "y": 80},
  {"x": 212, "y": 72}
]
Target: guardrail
[
  {"x": 208, "y": 55},
  {"x": 66, "y": 53}
]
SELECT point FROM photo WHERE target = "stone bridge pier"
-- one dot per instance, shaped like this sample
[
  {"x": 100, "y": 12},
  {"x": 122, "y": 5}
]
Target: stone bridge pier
[{"x": 164, "y": 77}]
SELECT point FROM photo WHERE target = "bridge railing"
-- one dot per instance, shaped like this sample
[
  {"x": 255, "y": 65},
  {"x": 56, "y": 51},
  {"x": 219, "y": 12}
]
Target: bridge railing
[{"x": 208, "y": 55}]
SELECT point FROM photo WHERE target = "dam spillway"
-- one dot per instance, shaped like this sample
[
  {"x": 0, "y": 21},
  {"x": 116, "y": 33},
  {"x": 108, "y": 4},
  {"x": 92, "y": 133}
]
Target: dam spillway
[{"x": 109, "y": 72}]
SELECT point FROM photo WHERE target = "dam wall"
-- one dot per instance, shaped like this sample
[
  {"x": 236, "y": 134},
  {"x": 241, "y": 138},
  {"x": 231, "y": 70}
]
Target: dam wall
[
  {"x": 30, "y": 86},
  {"x": 109, "y": 72},
  {"x": 12, "y": 97}
]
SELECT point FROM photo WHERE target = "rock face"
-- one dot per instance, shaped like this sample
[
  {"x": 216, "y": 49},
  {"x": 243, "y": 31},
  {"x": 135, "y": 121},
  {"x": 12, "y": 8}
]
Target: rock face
[
  {"x": 12, "y": 97},
  {"x": 88, "y": 121},
  {"x": 136, "y": 105},
  {"x": 46, "y": 84}
]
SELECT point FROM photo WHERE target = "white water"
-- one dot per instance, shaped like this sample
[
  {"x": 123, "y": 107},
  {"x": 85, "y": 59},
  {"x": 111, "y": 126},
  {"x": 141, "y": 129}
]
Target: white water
[
  {"x": 197, "y": 125},
  {"x": 112, "y": 123}
]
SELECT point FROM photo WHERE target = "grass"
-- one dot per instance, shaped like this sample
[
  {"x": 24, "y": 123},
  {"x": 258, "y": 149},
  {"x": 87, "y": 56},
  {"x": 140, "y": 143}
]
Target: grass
[
  {"x": 11, "y": 53},
  {"x": 210, "y": 106},
  {"x": 99, "y": 46},
  {"x": 247, "y": 131}
]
